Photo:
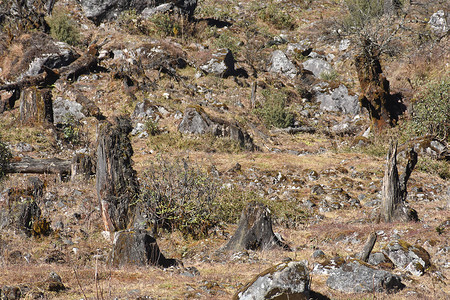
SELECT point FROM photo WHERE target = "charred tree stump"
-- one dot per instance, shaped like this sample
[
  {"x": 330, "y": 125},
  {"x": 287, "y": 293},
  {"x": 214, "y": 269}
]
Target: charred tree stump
[
  {"x": 383, "y": 107},
  {"x": 82, "y": 167},
  {"x": 36, "y": 106},
  {"x": 394, "y": 206},
  {"x": 254, "y": 230},
  {"x": 116, "y": 180}
]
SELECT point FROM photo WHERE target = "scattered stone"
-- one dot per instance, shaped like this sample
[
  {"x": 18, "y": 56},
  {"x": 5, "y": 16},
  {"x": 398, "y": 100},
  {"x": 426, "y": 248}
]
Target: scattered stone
[
  {"x": 296, "y": 49},
  {"x": 438, "y": 22},
  {"x": 380, "y": 259},
  {"x": 254, "y": 230},
  {"x": 406, "y": 257},
  {"x": 66, "y": 110},
  {"x": 55, "y": 257},
  {"x": 288, "y": 280},
  {"x": 344, "y": 44},
  {"x": 138, "y": 247},
  {"x": 317, "y": 66},
  {"x": 54, "y": 283},
  {"x": 145, "y": 110},
  {"x": 280, "y": 64},
  {"x": 356, "y": 277}
]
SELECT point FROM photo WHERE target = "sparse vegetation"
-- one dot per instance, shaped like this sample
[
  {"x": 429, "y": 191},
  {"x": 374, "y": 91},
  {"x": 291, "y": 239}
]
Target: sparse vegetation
[
  {"x": 273, "y": 111},
  {"x": 276, "y": 16},
  {"x": 63, "y": 28},
  {"x": 432, "y": 110},
  {"x": 5, "y": 157}
]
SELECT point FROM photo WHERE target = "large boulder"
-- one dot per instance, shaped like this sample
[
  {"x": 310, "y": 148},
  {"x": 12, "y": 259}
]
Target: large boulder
[
  {"x": 317, "y": 66},
  {"x": 29, "y": 53},
  {"x": 63, "y": 109},
  {"x": 356, "y": 277},
  {"x": 138, "y": 247},
  {"x": 406, "y": 257},
  {"x": 339, "y": 100},
  {"x": 288, "y": 280},
  {"x": 100, "y": 10},
  {"x": 254, "y": 230},
  {"x": 280, "y": 64},
  {"x": 196, "y": 121}
]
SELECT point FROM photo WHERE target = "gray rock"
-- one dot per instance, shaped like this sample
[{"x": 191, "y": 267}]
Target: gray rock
[
  {"x": 377, "y": 258},
  {"x": 64, "y": 109},
  {"x": 100, "y": 10},
  {"x": 438, "y": 22},
  {"x": 298, "y": 49},
  {"x": 406, "y": 257},
  {"x": 339, "y": 100},
  {"x": 289, "y": 280},
  {"x": 317, "y": 66},
  {"x": 220, "y": 64},
  {"x": 280, "y": 64},
  {"x": 163, "y": 8},
  {"x": 344, "y": 44},
  {"x": 137, "y": 247},
  {"x": 318, "y": 254},
  {"x": 196, "y": 121},
  {"x": 355, "y": 277},
  {"x": 144, "y": 110}
]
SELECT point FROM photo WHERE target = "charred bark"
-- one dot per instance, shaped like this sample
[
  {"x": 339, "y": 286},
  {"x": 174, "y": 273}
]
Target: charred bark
[
  {"x": 36, "y": 106},
  {"x": 394, "y": 192},
  {"x": 39, "y": 166},
  {"x": 254, "y": 231},
  {"x": 371, "y": 239},
  {"x": 117, "y": 185}
]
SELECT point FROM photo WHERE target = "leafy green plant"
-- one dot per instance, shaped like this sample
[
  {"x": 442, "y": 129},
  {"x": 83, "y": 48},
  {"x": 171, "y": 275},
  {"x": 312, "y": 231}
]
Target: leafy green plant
[
  {"x": 5, "y": 157},
  {"x": 151, "y": 127},
  {"x": 432, "y": 110},
  {"x": 277, "y": 17},
  {"x": 435, "y": 167},
  {"x": 273, "y": 111},
  {"x": 71, "y": 131},
  {"x": 180, "y": 196},
  {"x": 63, "y": 28}
]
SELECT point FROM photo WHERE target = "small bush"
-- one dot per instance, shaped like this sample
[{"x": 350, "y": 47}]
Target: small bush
[
  {"x": 5, "y": 157},
  {"x": 64, "y": 29},
  {"x": 179, "y": 196},
  {"x": 435, "y": 167},
  {"x": 151, "y": 127},
  {"x": 432, "y": 110},
  {"x": 274, "y": 15},
  {"x": 273, "y": 111},
  {"x": 70, "y": 130},
  {"x": 329, "y": 75},
  {"x": 227, "y": 41}
]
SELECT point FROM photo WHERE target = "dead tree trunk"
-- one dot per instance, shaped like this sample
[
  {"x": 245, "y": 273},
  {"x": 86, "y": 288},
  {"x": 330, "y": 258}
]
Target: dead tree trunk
[
  {"x": 117, "y": 185},
  {"x": 394, "y": 206},
  {"x": 383, "y": 107},
  {"x": 371, "y": 239},
  {"x": 36, "y": 106},
  {"x": 254, "y": 230},
  {"x": 40, "y": 166}
]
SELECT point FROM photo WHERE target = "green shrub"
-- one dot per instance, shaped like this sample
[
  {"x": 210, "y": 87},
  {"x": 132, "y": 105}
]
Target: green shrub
[
  {"x": 71, "y": 131},
  {"x": 5, "y": 157},
  {"x": 273, "y": 111},
  {"x": 180, "y": 196},
  {"x": 63, "y": 28},
  {"x": 274, "y": 15},
  {"x": 151, "y": 127},
  {"x": 329, "y": 75},
  {"x": 228, "y": 41},
  {"x": 432, "y": 110},
  {"x": 435, "y": 167}
]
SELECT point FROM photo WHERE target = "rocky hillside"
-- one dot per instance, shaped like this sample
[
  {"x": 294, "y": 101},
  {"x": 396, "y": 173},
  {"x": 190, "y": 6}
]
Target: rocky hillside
[{"x": 224, "y": 149}]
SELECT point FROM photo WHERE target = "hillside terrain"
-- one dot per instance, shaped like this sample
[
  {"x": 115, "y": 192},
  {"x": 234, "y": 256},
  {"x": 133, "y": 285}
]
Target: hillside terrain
[{"x": 208, "y": 106}]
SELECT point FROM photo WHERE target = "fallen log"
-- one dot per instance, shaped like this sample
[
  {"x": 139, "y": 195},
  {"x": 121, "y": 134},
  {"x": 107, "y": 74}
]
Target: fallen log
[
  {"x": 294, "y": 130},
  {"x": 39, "y": 166}
]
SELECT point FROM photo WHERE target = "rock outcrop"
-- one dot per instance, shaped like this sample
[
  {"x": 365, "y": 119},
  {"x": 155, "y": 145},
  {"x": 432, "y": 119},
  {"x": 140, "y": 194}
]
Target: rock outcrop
[
  {"x": 288, "y": 280},
  {"x": 406, "y": 257},
  {"x": 339, "y": 100},
  {"x": 356, "y": 277},
  {"x": 280, "y": 64},
  {"x": 196, "y": 121}
]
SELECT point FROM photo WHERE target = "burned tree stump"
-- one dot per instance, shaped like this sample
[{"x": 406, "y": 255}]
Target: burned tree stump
[
  {"x": 36, "y": 106},
  {"x": 384, "y": 108},
  {"x": 394, "y": 206},
  {"x": 117, "y": 185},
  {"x": 82, "y": 167},
  {"x": 254, "y": 230}
]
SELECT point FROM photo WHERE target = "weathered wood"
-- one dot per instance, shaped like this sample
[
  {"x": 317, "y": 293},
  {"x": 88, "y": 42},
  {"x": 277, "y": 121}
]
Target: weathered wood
[
  {"x": 82, "y": 166},
  {"x": 36, "y": 106},
  {"x": 46, "y": 78},
  {"x": 39, "y": 166},
  {"x": 365, "y": 253},
  {"x": 254, "y": 230},
  {"x": 253, "y": 96},
  {"x": 117, "y": 185},
  {"x": 294, "y": 130},
  {"x": 394, "y": 191}
]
